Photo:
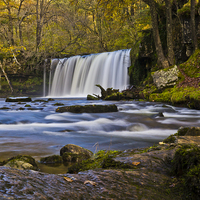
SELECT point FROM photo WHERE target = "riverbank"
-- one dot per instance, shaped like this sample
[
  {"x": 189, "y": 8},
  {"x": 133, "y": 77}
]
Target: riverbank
[
  {"x": 180, "y": 90},
  {"x": 151, "y": 177}
]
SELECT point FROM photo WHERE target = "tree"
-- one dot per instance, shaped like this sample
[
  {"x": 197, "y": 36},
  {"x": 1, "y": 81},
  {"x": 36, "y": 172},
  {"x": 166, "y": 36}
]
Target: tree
[
  {"x": 193, "y": 29},
  {"x": 170, "y": 46},
  {"x": 159, "y": 49}
]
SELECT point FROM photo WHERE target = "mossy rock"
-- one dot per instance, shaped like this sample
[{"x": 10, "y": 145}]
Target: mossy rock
[
  {"x": 88, "y": 109},
  {"x": 21, "y": 162},
  {"x": 188, "y": 131},
  {"x": 40, "y": 101},
  {"x": 12, "y": 99},
  {"x": 170, "y": 139},
  {"x": 74, "y": 149},
  {"x": 186, "y": 165},
  {"x": 102, "y": 159},
  {"x": 27, "y": 105},
  {"x": 50, "y": 99},
  {"x": 54, "y": 159},
  {"x": 74, "y": 158},
  {"x": 58, "y": 104},
  {"x": 91, "y": 97},
  {"x": 4, "y": 108},
  {"x": 115, "y": 96}
]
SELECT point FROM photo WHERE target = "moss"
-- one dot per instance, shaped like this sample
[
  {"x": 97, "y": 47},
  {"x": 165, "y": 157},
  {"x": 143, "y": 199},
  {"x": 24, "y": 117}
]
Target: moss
[
  {"x": 186, "y": 166},
  {"x": 51, "y": 159},
  {"x": 170, "y": 139},
  {"x": 115, "y": 96},
  {"x": 182, "y": 131},
  {"x": 192, "y": 66},
  {"x": 27, "y": 105},
  {"x": 90, "y": 97},
  {"x": 102, "y": 159},
  {"x": 27, "y": 159},
  {"x": 185, "y": 158}
]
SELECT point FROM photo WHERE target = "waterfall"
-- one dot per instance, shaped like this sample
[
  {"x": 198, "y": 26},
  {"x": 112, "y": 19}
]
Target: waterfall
[{"x": 78, "y": 75}]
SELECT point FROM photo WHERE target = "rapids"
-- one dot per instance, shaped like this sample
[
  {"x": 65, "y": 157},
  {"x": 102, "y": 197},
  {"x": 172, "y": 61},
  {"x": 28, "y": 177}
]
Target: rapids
[{"x": 43, "y": 132}]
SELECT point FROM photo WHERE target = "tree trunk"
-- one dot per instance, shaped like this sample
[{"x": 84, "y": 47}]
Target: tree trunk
[
  {"x": 159, "y": 50},
  {"x": 6, "y": 77},
  {"x": 193, "y": 29},
  {"x": 170, "y": 46}
]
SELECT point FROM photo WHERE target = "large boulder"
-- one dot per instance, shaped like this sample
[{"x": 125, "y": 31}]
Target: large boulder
[
  {"x": 74, "y": 153},
  {"x": 165, "y": 78},
  {"x": 88, "y": 109},
  {"x": 21, "y": 162}
]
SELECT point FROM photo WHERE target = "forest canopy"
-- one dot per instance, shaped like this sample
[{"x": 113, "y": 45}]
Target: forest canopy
[{"x": 32, "y": 30}]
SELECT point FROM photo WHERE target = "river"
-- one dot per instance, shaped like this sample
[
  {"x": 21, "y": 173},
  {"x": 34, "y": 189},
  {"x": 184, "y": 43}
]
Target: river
[{"x": 44, "y": 132}]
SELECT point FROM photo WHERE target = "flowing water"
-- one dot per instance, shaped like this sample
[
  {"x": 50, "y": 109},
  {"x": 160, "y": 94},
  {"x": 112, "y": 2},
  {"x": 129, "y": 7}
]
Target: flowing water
[
  {"x": 78, "y": 75},
  {"x": 41, "y": 131},
  {"x": 44, "y": 132}
]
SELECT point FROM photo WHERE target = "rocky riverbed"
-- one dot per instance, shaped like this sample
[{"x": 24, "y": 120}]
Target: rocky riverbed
[{"x": 149, "y": 178}]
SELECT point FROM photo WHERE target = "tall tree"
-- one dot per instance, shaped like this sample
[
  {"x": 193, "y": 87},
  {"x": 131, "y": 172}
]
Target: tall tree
[
  {"x": 159, "y": 49},
  {"x": 170, "y": 47},
  {"x": 193, "y": 29}
]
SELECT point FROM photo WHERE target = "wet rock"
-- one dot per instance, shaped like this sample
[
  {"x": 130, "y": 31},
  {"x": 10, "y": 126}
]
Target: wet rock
[
  {"x": 188, "y": 131},
  {"x": 58, "y": 104},
  {"x": 163, "y": 78},
  {"x": 74, "y": 153},
  {"x": 18, "y": 99},
  {"x": 4, "y": 108},
  {"x": 73, "y": 157},
  {"x": 54, "y": 159},
  {"x": 72, "y": 148},
  {"x": 40, "y": 100},
  {"x": 50, "y": 99},
  {"x": 88, "y": 109},
  {"x": 91, "y": 97},
  {"x": 21, "y": 162},
  {"x": 115, "y": 96}
]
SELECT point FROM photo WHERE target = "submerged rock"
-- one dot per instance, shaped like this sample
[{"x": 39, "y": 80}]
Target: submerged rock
[
  {"x": 18, "y": 99},
  {"x": 88, "y": 109},
  {"x": 21, "y": 162}
]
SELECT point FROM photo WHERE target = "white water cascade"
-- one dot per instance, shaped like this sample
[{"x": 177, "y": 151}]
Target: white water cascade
[{"x": 78, "y": 75}]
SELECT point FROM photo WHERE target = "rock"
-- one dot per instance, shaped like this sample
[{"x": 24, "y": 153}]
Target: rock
[
  {"x": 115, "y": 96},
  {"x": 55, "y": 159},
  {"x": 74, "y": 153},
  {"x": 188, "y": 131},
  {"x": 58, "y": 104},
  {"x": 73, "y": 157},
  {"x": 50, "y": 99},
  {"x": 21, "y": 162},
  {"x": 91, "y": 97},
  {"x": 18, "y": 99},
  {"x": 88, "y": 109},
  {"x": 163, "y": 78},
  {"x": 4, "y": 108}
]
